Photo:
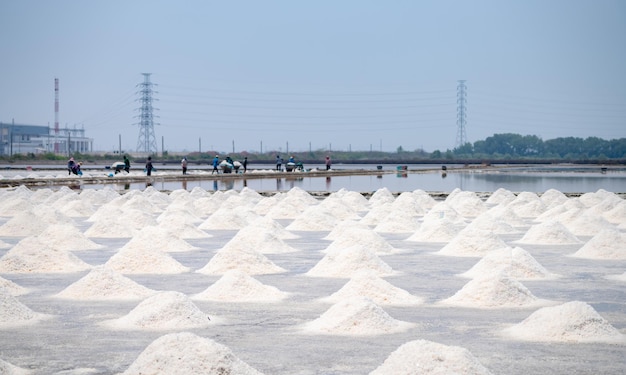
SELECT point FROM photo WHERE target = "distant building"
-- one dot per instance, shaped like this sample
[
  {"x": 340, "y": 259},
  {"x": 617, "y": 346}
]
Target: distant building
[{"x": 36, "y": 139}]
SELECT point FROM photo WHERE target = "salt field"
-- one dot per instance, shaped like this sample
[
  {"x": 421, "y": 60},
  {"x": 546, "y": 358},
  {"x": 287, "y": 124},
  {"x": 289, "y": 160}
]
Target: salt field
[{"x": 98, "y": 281}]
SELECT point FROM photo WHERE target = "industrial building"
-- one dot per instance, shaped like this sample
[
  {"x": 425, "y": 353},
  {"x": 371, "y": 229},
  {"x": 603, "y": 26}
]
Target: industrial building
[{"x": 37, "y": 139}]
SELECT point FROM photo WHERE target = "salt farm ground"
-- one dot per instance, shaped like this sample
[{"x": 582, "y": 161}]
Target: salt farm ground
[{"x": 99, "y": 282}]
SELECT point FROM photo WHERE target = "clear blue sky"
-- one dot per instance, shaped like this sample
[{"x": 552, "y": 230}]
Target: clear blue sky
[{"x": 351, "y": 74}]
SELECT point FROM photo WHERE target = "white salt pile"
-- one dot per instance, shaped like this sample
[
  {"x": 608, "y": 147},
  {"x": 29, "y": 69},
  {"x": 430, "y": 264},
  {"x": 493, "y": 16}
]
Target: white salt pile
[
  {"x": 427, "y": 357},
  {"x": 352, "y": 199},
  {"x": 14, "y": 204},
  {"x": 617, "y": 214},
  {"x": 515, "y": 262},
  {"x": 381, "y": 196},
  {"x": 261, "y": 240},
  {"x": 141, "y": 260},
  {"x": 187, "y": 353},
  {"x": 14, "y": 313},
  {"x": 472, "y": 243},
  {"x": 367, "y": 239},
  {"x": 506, "y": 215},
  {"x": 68, "y": 237},
  {"x": 249, "y": 261},
  {"x": 269, "y": 225},
  {"x": 501, "y": 196},
  {"x": 442, "y": 229},
  {"x": 12, "y": 288},
  {"x": 346, "y": 262},
  {"x": 356, "y": 316},
  {"x": 573, "y": 321},
  {"x": 493, "y": 291},
  {"x": 586, "y": 224},
  {"x": 181, "y": 227},
  {"x": 291, "y": 204},
  {"x": 345, "y": 227},
  {"x": 377, "y": 213},
  {"x": 443, "y": 210},
  {"x": 154, "y": 238},
  {"x": 25, "y": 223},
  {"x": 229, "y": 219},
  {"x": 314, "y": 218},
  {"x": 490, "y": 222},
  {"x": 33, "y": 255},
  {"x": 103, "y": 283},
  {"x": 553, "y": 198},
  {"x": 607, "y": 244},
  {"x": 339, "y": 209},
  {"x": 162, "y": 311},
  {"x": 368, "y": 284},
  {"x": 527, "y": 205},
  {"x": 107, "y": 224},
  {"x": 549, "y": 233},
  {"x": 466, "y": 203},
  {"x": 398, "y": 221},
  {"x": 237, "y": 286},
  {"x": 9, "y": 369}
]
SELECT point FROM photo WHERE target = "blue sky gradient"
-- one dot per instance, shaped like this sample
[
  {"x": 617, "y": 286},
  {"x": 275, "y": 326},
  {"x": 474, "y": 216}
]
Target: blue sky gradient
[{"x": 336, "y": 75}]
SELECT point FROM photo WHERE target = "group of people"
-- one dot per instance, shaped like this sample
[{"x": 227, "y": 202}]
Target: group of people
[{"x": 228, "y": 164}]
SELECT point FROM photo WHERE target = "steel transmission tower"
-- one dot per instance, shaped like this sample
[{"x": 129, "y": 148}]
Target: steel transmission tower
[
  {"x": 147, "y": 140},
  {"x": 461, "y": 114}
]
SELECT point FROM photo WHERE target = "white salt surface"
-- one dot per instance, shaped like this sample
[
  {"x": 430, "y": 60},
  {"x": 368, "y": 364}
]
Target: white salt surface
[
  {"x": 34, "y": 255},
  {"x": 9, "y": 369},
  {"x": 607, "y": 244},
  {"x": 103, "y": 283},
  {"x": 162, "y": 311},
  {"x": 440, "y": 229},
  {"x": 237, "y": 286},
  {"x": 155, "y": 238},
  {"x": 249, "y": 261},
  {"x": 344, "y": 263},
  {"x": 368, "y": 284},
  {"x": 549, "y": 233},
  {"x": 367, "y": 239},
  {"x": 14, "y": 313},
  {"x": 133, "y": 259},
  {"x": 515, "y": 262},
  {"x": 573, "y": 321},
  {"x": 228, "y": 219},
  {"x": 356, "y": 316},
  {"x": 262, "y": 240},
  {"x": 493, "y": 291},
  {"x": 501, "y": 196},
  {"x": 12, "y": 288},
  {"x": 427, "y": 357},
  {"x": 187, "y": 353},
  {"x": 314, "y": 218},
  {"x": 67, "y": 236},
  {"x": 472, "y": 243},
  {"x": 527, "y": 205},
  {"x": 466, "y": 203}
]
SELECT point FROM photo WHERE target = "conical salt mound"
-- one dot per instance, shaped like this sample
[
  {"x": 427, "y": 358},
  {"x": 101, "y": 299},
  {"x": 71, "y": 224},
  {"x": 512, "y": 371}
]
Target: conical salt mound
[
  {"x": 135, "y": 260},
  {"x": 343, "y": 228},
  {"x": 269, "y": 225},
  {"x": 249, "y": 261},
  {"x": 381, "y": 196},
  {"x": 186, "y": 353},
  {"x": 442, "y": 230},
  {"x": 527, "y": 205},
  {"x": 162, "y": 311},
  {"x": 515, "y": 262},
  {"x": 549, "y": 233},
  {"x": 9, "y": 369},
  {"x": 12, "y": 288},
  {"x": 339, "y": 209},
  {"x": 617, "y": 214},
  {"x": 587, "y": 224},
  {"x": 365, "y": 238},
  {"x": 154, "y": 238},
  {"x": 493, "y": 291},
  {"x": 103, "y": 283},
  {"x": 487, "y": 221},
  {"x": 376, "y": 214},
  {"x": 607, "y": 244},
  {"x": 368, "y": 284},
  {"x": 403, "y": 221},
  {"x": 472, "y": 243},
  {"x": 356, "y": 316},
  {"x": 33, "y": 255},
  {"x": 314, "y": 218},
  {"x": 228, "y": 219},
  {"x": 237, "y": 286},
  {"x": 570, "y": 322},
  {"x": 14, "y": 313},
  {"x": 26, "y": 223},
  {"x": 552, "y": 198},
  {"x": 110, "y": 226},
  {"x": 430, "y": 358},
  {"x": 352, "y": 199},
  {"x": 263, "y": 241},
  {"x": 14, "y": 205},
  {"x": 184, "y": 229},
  {"x": 501, "y": 196},
  {"x": 466, "y": 203},
  {"x": 346, "y": 262},
  {"x": 506, "y": 215},
  {"x": 68, "y": 237}
]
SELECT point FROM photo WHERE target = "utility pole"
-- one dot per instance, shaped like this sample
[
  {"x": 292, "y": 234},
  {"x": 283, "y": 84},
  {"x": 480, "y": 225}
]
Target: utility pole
[
  {"x": 461, "y": 114},
  {"x": 147, "y": 140}
]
